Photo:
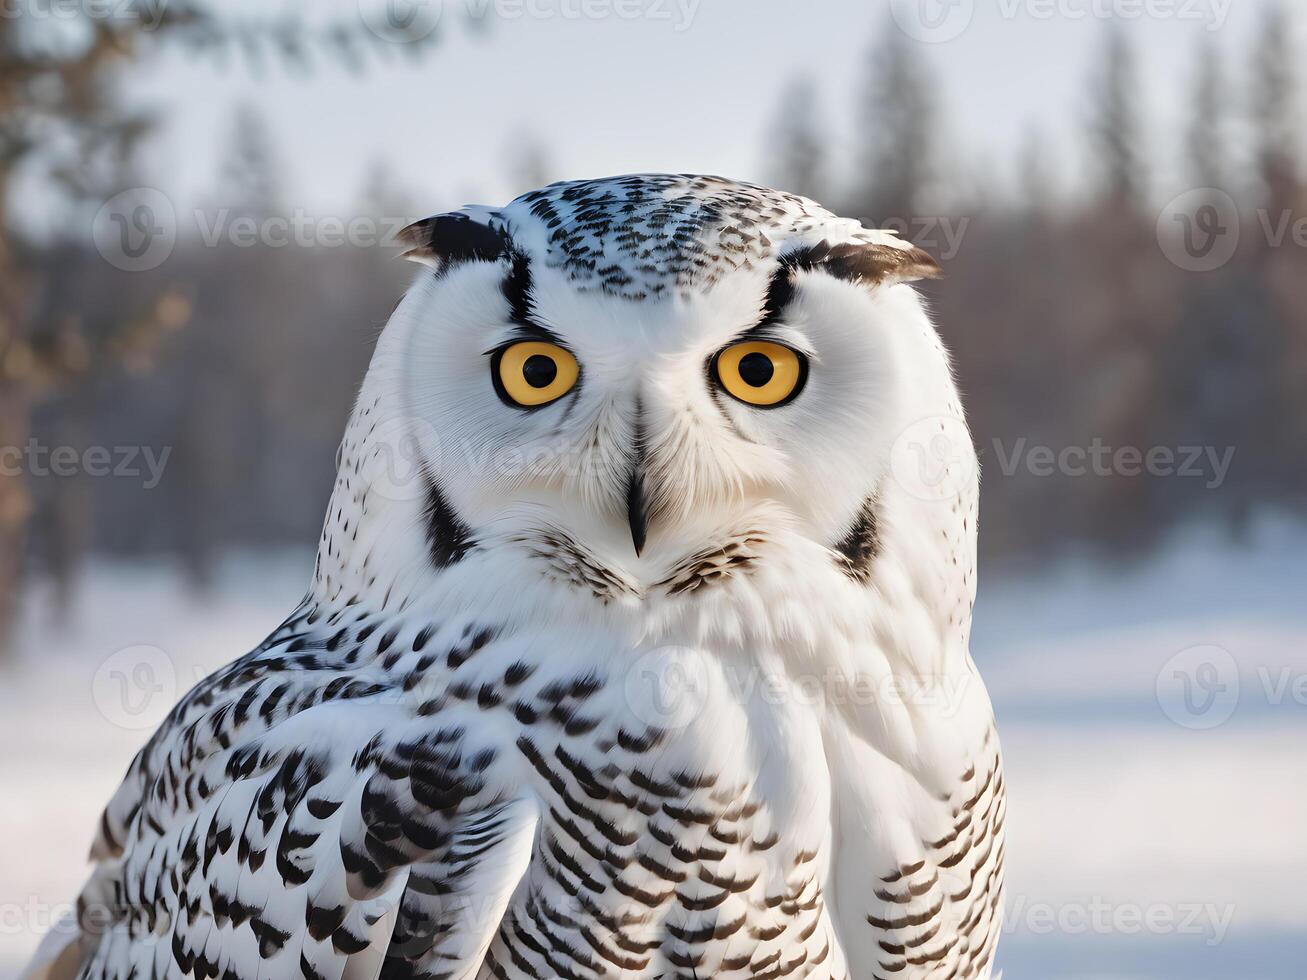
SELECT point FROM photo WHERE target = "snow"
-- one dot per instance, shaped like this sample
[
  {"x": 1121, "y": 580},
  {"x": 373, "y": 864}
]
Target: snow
[{"x": 1145, "y": 842}]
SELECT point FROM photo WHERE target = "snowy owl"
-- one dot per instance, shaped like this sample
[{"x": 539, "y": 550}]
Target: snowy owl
[{"x": 630, "y": 650}]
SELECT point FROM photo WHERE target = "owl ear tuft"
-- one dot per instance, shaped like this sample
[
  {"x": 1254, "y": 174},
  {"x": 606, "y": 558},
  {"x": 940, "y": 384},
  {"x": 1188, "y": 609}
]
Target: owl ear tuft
[
  {"x": 445, "y": 239},
  {"x": 868, "y": 263}
]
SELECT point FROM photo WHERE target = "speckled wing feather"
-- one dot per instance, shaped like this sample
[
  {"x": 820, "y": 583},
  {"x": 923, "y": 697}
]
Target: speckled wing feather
[
  {"x": 298, "y": 816},
  {"x": 372, "y": 789}
]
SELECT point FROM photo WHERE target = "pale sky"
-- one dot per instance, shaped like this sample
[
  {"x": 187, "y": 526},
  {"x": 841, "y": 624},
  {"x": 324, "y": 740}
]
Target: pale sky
[{"x": 692, "y": 86}]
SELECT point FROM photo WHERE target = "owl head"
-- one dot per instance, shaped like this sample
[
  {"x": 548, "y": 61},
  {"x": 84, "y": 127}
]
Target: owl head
[{"x": 627, "y": 364}]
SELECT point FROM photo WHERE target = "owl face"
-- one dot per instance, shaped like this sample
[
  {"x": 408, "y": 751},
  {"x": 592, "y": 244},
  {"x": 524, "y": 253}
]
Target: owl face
[{"x": 634, "y": 420}]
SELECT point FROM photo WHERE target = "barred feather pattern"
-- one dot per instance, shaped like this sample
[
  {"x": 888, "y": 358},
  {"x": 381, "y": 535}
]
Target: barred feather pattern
[
  {"x": 239, "y": 848},
  {"x": 354, "y": 771}
]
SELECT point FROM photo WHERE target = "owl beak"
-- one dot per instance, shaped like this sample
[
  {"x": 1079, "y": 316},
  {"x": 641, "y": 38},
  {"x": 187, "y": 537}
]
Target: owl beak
[
  {"x": 637, "y": 501},
  {"x": 637, "y": 509}
]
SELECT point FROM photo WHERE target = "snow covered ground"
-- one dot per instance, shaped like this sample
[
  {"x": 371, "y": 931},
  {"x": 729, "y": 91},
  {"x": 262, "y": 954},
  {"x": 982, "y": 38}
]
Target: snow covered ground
[{"x": 1154, "y": 721}]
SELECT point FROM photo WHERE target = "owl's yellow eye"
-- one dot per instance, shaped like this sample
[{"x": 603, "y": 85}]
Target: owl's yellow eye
[
  {"x": 761, "y": 373},
  {"x": 532, "y": 373}
]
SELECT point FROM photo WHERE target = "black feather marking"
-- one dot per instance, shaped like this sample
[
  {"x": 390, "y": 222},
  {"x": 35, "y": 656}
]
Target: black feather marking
[
  {"x": 858, "y": 549},
  {"x": 517, "y": 290},
  {"x": 517, "y": 673},
  {"x": 780, "y": 293},
  {"x": 308, "y": 971},
  {"x": 448, "y": 538},
  {"x": 346, "y": 942},
  {"x": 322, "y": 809},
  {"x": 865, "y": 262},
  {"x": 322, "y": 922},
  {"x": 453, "y": 238}
]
